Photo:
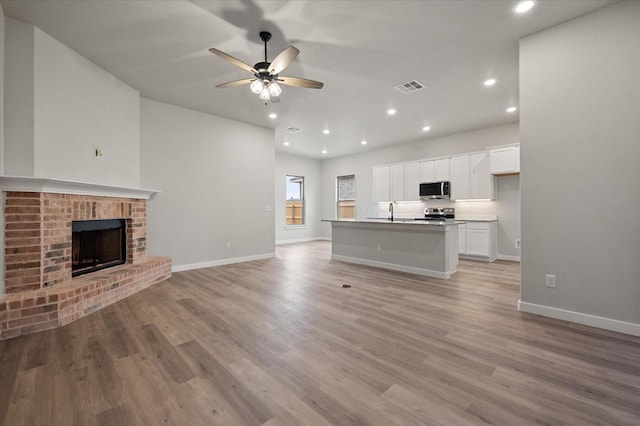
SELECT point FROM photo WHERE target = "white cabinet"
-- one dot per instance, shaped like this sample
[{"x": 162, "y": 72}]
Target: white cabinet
[
  {"x": 482, "y": 182},
  {"x": 397, "y": 182},
  {"x": 460, "y": 178},
  {"x": 412, "y": 181},
  {"x": 470, "y": 177},
  {"x": 381, "y": 181},
  {"x": 434, "y": 170},
  {"x": 427, "y": 171},
  {"x": 505, "y": 159},
  {"x": 462, "y": 238},
  {"x": 478, "y": 240},
  {"x": 441, "y": 170}
]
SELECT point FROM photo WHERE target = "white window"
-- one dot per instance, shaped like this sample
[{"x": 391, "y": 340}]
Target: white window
[
  {"x": 346, "y": 197},
  {"x": 295, "y": 200}
]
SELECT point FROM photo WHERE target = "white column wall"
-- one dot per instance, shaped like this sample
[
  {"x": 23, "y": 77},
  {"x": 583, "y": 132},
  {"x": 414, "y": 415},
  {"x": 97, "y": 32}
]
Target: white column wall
[{"x": 580, "y": 127}]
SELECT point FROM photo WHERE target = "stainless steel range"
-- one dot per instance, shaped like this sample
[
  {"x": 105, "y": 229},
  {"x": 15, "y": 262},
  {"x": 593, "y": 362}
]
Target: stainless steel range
[{"x": 438, "y": 213}]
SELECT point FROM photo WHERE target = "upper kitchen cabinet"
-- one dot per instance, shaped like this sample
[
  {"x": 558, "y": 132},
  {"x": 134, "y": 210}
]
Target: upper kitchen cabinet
[
  {"x": 441, "y": 170},
  {"x": 470, "y": 177},
  {"x": 381, "y": 181},
  {"x": 412, "y": 181},
  {"x": 483, "y": 183},
  {"x": 427, "y": 171},
  {"x": 397, "y": 182},
  {"x": 389, "y": 183},
  {"x": 460, "y": 178},
  {"x": 505, "y": 160},
  {"x": 434, "y": 170}
]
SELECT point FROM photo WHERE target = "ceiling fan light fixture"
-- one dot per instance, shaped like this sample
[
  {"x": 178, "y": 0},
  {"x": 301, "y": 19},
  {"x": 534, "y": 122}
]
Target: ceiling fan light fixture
[
  {"x": 257, "y": 86},
  {"x": 274, "y": 89},
  {"x": 265, "y": 95}
]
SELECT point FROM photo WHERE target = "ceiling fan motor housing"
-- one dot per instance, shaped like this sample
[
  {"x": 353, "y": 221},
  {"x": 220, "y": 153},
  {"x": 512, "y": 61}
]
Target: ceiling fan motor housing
[{"x": 262, "y": 67}]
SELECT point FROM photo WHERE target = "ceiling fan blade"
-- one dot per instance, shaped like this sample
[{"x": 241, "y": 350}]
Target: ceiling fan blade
[
  {"x": 235, "y": 61},
  {"x": 283, "y": 60},
  {"x": 234, "y": 83},
  {"x": 300, "y": 82}
]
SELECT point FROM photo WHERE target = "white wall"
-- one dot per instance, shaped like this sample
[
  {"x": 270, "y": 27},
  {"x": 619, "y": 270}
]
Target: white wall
[
  {"x": 361, "y": 166},
  {"x": 79, "y": 106},
  {"x": 310, "y": 169},
  {"x": 580, "y": 127},
  {"x": 59, "y": 107},
  {"x": 216, "y": 176},
  {"x": 2, "y": 24},
  {"x": 19, "y": 99}
]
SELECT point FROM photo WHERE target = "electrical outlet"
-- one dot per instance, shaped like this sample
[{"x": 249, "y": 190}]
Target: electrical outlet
[
  {"x": 550, "y": 281},
  {"x": 228, "y": 246},
  {"x": 379, "y": 247},
  {"x": 267, "y": 208},
  {"x": 517, "y": 244}
]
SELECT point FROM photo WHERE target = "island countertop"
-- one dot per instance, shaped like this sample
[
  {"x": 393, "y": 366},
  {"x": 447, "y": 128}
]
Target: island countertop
[{"x": 398, "y": 221}]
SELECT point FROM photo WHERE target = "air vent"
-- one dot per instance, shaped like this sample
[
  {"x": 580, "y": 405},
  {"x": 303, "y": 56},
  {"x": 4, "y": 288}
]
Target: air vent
[
  {"x": 410, "y": 87},
  {"x": 292, "y": 129}
]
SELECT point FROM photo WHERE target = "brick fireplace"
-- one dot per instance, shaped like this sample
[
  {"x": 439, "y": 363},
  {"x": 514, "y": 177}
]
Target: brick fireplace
[{"x": 40, "y": 292}]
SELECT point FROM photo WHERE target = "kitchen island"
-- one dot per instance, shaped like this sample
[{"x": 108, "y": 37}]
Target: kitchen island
[{"x": 427, "y": 248}]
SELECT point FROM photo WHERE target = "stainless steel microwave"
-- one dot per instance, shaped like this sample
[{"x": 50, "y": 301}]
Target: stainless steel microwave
[{"x": 435, "y": 190}]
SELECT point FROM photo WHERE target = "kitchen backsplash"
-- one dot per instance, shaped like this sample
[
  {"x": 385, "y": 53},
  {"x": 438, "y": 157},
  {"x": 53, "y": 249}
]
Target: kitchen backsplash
[{"x": 412, "y": 209}]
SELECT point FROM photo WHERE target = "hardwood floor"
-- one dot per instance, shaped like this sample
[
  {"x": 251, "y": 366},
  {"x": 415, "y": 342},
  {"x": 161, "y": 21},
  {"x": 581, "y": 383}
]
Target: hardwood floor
[{"x": 280, "y": 342}]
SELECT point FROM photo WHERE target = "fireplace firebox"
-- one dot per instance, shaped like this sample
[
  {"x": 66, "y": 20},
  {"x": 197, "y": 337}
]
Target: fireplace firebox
[{"x": 97, "y": 244}]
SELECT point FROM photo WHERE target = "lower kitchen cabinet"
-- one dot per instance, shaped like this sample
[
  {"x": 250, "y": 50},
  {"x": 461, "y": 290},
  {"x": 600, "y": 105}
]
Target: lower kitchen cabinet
[{"x": 478, "y": 240}]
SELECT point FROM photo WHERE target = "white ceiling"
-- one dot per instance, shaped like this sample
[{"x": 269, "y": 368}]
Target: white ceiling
[{"x": 360, "y": 49}]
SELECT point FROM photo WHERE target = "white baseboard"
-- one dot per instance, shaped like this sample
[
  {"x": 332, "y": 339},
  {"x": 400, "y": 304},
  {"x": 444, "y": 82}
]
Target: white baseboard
[
  {"x": 394, "y": 267},
  {"x": 300, "y": 240},
  {"x": 220, "y": 262},
  {"x": 508, "y": 257},
  {"x": 580, "y": 318}
]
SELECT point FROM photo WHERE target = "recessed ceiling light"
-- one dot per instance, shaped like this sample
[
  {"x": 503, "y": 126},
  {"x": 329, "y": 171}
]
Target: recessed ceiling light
[
  {"x": 512, "y": 109},
  {"x": 324, "y": 151},
  {"x": 490, "y": 82},
  {"x": 326, "y": 131},
  {"x": 391, "y": 111},
  {"x": 273, "y": 115},
  {"x": 363, "y": 142},
  {"x": 426, "y": 128},
  {"x": 524, "y": 6},
  {"x": 285, "y": 143}
]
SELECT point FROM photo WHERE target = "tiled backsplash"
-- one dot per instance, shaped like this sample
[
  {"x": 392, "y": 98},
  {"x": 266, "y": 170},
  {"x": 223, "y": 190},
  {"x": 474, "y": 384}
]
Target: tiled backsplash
[{"x": 412, "y": 209}]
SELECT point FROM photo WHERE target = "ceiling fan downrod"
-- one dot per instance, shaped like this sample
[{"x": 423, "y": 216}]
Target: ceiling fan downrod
[{"x": 264, "y": 36}]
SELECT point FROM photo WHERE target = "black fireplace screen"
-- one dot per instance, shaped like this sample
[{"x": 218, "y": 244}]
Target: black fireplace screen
[{"x": 97, "y": 244}]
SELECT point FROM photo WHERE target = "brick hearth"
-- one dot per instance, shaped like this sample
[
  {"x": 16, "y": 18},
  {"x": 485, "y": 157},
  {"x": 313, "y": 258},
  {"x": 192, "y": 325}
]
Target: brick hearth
[{"x": 39, "y": 290}]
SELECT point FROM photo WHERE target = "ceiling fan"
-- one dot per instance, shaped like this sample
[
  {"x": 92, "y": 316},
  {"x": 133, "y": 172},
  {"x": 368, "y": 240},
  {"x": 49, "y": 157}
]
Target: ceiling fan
[{"x": 267, "y": 74}]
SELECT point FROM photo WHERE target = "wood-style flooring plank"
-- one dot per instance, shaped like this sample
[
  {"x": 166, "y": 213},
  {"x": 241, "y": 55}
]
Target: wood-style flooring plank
[
  {"x": 280, "y": 342},
  {"x": 241, "y": 400}
]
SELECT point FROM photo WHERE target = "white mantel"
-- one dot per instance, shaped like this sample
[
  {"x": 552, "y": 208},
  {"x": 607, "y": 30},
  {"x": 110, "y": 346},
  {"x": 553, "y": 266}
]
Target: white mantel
[{"x": 31, "y": 184}]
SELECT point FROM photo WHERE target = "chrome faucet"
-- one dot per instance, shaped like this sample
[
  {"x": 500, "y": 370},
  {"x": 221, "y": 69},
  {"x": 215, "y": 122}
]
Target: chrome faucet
[{"x": 390, "y": 212}]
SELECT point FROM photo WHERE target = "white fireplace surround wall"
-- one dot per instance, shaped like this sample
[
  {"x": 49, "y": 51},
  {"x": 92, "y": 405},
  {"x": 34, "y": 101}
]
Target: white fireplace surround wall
[{"x": 57, "y": 186}]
